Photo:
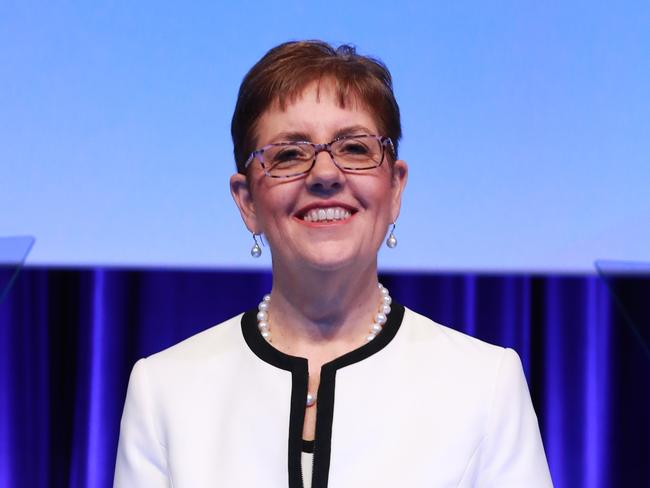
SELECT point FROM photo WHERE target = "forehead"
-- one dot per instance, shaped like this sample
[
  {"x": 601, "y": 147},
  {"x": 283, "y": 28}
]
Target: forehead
[{"x": 318, "y": 111}]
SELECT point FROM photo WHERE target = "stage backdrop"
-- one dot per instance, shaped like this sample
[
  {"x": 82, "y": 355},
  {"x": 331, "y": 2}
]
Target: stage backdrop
[
  {"x": 525, "y": 127},
  {"x": 69, "y": 337}
]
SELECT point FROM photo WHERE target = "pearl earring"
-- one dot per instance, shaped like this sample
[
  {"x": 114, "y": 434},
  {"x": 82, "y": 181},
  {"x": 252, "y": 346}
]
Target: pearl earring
[
  {"x": 392, "y": 240},
  {"x": 256, "y": 250}
]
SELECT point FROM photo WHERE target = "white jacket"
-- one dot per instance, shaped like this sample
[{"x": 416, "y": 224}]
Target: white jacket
[{"x": 421, "y": 405}]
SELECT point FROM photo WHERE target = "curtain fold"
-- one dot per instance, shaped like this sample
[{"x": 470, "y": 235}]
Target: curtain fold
[{"x": 69, "y": 337}]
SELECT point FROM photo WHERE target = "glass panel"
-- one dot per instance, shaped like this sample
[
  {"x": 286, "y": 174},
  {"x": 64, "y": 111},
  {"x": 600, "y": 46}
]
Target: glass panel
[
  {"x": 629, "y": 285},
  {"x": 13, "y": 251}
]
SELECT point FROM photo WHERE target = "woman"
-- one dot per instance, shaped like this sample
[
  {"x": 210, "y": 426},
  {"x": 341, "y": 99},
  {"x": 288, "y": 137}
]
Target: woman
[{"x": 328, "y": 382}]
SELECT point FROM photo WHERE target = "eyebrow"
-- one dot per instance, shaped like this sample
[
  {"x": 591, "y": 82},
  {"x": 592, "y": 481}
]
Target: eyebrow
[
  {"x": 351, "y": 131},
  {"x": 290, "y": 136},
  {"x": 298, "y": 136}
]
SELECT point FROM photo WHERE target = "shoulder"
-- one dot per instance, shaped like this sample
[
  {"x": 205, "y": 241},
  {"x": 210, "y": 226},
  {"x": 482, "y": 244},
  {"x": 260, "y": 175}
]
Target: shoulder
[
  {"x": 216, "y": 339},
  {"x": 214, "y": 346},
  {"x": 420, "y": 330},
  {"x": 457, "y": 360},
  {"x": 479, "y": 388}
]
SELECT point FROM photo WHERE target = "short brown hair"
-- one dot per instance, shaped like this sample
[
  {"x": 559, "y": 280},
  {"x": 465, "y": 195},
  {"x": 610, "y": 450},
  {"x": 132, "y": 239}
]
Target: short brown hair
[{"x": 286, "y": 70}]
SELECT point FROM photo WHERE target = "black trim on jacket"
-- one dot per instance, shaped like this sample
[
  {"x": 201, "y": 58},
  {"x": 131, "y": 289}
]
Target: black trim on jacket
[{"x": 299, "y": 368}]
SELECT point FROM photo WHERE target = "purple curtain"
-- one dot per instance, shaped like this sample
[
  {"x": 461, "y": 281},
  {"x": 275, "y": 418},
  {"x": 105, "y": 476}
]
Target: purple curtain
[{"x": 69, "y": 337}]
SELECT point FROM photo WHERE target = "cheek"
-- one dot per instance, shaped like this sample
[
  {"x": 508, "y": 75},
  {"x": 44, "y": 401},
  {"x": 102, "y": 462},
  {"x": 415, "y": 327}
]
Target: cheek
[
  {"x": 381, "y": 195},
  {"x": 273, "y": 204}
]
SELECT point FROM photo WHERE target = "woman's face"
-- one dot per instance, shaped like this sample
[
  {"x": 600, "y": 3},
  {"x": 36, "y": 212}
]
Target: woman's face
[{"x": 278, "y": 207}]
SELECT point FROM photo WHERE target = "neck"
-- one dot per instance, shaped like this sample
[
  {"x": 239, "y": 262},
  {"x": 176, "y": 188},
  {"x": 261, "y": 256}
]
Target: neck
[{"x": 322, "y": 312}]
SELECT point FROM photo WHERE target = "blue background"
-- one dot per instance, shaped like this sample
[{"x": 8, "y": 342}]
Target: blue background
[{"x": 526, "y": 127}]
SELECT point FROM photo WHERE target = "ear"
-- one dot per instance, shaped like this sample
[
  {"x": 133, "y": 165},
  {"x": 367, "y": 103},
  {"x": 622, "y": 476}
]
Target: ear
[
  {"x": 400, "y": 176},
  {"x": 241, "y": 193}
]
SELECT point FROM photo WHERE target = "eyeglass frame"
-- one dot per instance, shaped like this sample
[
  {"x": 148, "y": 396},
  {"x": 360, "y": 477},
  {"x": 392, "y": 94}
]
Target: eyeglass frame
[{"x": 318, "y": 148}]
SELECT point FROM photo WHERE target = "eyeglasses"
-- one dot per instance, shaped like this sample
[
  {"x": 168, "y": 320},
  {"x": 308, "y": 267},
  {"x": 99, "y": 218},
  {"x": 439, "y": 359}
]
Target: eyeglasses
[{"x": 349, "y": 153}]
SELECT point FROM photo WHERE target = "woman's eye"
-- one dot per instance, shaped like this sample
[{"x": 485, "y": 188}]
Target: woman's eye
[
  {"x": 354, "y": 147},
  {"x": 289, "y": 155}
]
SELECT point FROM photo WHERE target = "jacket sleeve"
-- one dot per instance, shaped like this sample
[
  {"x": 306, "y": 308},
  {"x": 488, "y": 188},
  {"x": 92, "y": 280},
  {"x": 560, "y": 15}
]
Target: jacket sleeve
[
  {"x": 141, "y": 458},
  {"x": 512, "y": 452}
]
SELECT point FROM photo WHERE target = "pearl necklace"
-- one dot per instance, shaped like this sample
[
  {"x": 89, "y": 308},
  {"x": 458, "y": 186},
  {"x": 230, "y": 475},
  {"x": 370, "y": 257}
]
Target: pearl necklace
[{"x": 376, "y": 327}]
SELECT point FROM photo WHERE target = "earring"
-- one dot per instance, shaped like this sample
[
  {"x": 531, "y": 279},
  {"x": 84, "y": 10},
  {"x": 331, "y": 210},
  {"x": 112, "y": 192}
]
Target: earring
[
  {"x": 392, "y": 240},
  {"x": 256, "y": 250}
]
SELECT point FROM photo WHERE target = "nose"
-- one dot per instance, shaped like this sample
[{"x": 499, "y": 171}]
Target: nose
[{"x": 325, "y": 176}]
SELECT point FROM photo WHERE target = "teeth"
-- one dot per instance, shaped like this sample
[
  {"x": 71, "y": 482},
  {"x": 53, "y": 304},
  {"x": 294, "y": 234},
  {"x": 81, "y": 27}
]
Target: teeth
[{"x": 326, "y": 214}]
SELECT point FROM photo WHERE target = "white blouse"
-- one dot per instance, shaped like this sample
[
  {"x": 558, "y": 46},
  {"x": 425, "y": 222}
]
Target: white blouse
[
  {"x": 307, "y": 465},
  {"x": 421, "y": 405}
]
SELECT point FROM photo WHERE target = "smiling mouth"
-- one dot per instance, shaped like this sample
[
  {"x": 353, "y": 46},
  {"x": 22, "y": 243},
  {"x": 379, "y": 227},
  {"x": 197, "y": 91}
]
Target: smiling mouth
[{"x": 327, "y": 214}]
